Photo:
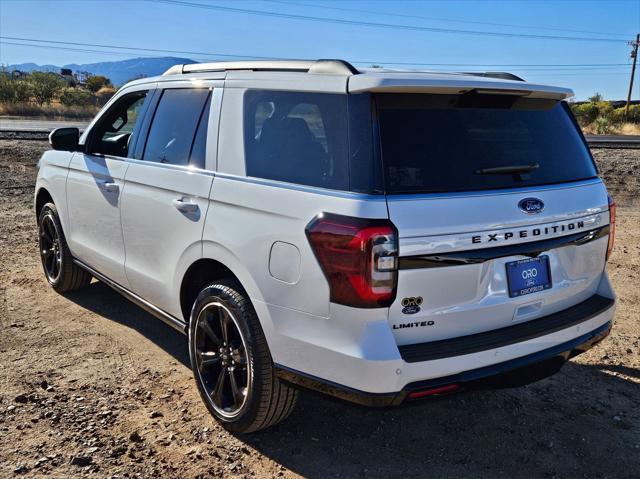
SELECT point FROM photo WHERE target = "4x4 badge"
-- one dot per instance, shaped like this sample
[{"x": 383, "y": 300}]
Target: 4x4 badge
[
  {"x": 531, "y": 206},
  {"x": 411, "y": 305}
]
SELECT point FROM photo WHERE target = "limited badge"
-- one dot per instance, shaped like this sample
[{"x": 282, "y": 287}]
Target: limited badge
[{"x": 411, "y": 305}]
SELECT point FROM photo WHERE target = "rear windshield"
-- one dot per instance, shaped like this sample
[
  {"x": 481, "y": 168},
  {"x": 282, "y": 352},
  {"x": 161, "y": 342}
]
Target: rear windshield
[{"x": 441, "y": 143}]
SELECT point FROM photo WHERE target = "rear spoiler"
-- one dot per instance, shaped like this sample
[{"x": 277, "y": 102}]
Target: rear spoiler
[{"x": 453, "y": 84}]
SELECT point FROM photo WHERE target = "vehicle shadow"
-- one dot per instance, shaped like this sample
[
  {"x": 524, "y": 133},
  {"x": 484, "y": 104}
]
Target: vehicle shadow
[
  {"x": 104, "y": 301},
  {"x": 581, "y": 422},
  {"x": 584, "y": 421}
]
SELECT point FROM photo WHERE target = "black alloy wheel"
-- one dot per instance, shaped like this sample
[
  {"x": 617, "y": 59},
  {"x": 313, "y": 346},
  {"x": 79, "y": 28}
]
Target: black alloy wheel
[{"x": 221, "y": 359}]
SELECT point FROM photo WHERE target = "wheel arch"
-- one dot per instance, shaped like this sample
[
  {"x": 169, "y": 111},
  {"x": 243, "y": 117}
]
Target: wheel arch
[
  {"x": 215, "y": 263},
  {"x": 202, "y": 272},
  {"x": 42, "y": 198}
]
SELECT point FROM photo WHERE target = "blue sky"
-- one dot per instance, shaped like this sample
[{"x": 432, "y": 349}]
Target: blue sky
[{"x": 603, "y": 26}]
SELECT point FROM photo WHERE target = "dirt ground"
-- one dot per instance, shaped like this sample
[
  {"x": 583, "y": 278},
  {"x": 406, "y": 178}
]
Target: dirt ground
[{"x": 92, "y": 385}]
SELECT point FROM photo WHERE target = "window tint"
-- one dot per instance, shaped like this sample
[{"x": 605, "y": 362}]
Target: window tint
[
  {"x": 297, "y": 137},
  {"x": 174, "y": 126},
  {"x": 112, "y": 135},
  {"x": 438, "y": 143}
]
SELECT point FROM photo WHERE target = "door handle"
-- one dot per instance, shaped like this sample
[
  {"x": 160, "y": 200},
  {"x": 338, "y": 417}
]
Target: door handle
[
  {"x": 185, "y": 206},
  {"x": 109, "y": 186}
]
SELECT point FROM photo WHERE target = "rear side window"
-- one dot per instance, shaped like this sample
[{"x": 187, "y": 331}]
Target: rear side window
[
  {"x": 174, "y": 128},
  {"x": 297, "y": 137},
  {"x": 440, "y": 143}
]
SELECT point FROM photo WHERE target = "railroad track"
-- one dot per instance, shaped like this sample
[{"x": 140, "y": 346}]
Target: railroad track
[
  {"x": 613, "y": 141},
  {"x": 595, "y": 141}
]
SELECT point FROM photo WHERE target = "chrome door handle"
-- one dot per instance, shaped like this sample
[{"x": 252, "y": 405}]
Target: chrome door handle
[
  {"x": 109, "y": 186},
  {"x": 185, "y": 206}
]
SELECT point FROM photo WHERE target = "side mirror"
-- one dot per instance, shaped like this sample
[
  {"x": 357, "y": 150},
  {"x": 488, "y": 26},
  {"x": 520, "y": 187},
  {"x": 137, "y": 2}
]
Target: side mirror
[{"x": 64, "y": 139}]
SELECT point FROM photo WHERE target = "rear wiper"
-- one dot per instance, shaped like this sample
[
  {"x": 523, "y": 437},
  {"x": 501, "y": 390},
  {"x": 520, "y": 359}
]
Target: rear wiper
[{"x": 508, "y": 170}]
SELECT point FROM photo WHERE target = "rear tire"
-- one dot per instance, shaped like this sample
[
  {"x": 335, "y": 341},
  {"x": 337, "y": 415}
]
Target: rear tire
[
  {"x": 232, "y": 364},
  {"x": 59, "y": 269}
]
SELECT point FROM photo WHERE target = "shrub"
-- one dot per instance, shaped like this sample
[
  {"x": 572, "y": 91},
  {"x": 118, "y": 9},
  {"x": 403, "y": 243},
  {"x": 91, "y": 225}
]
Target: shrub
[
  {"x": 6, "y": 88},
  {"x": 48, "y": 111},
  {"x": 604, "y": 109},
  {"x": 634, "y": 114},
  {"x": 617, "y": 116},
  {"x": 603, "y": 125},
  {"x": 588, "y": 112},
  {"x": 45, "y": 86},
  {"x": 585, "y": 113},
  {"x": 13, "y": 90},
  {"x": 75, "y": 97},
  {"x": 95, "y": 83},
  {"x": 104, "y": 95}
]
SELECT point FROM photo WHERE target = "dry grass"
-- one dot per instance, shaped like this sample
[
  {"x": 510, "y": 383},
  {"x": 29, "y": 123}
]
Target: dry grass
[
  {"x": 629, "y": 129},
  {"x": 621, "y": 129},
  {"x": 54, "y": 110}
]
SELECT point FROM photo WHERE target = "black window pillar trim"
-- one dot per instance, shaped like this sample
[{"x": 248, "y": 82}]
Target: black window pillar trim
[{"x": 149, "y": 111}]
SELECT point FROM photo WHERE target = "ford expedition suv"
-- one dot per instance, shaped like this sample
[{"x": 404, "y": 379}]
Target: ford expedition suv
[{"x": 380, "y": 236}]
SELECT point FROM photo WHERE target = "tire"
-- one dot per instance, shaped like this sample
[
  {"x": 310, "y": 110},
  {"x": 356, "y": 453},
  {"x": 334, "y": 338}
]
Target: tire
[
  {"x": 59, "y": 269},
  {"x": 251, "y": 397}
]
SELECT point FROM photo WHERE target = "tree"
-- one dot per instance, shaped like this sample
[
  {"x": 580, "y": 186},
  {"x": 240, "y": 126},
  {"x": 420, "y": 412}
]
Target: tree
[
  {"x": 6, "y": 88},
  {"x": 12, "y": 90},
  {"x": 94, "y": 83},
  {"x": 595, "y": 98},
  {"x": 45, "y": 86},
  {"x": 21, "y": 91}
]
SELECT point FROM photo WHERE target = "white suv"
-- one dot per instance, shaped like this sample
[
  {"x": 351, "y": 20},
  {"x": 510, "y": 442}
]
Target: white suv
[{"x": 380, "y": 236}]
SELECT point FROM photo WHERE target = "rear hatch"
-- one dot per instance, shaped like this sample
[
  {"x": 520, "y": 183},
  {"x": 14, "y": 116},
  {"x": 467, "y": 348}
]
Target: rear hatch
[{"x": 500, "y": 213}]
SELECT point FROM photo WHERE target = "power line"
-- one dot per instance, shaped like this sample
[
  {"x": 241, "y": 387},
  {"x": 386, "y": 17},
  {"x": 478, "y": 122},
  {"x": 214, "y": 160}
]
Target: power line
[
  {"x": 383, "y": 25},
  {"x": 155, "y": 50},
  {"x": 62, "y": 45},
  {"x": 453, "y": 20},
  {"x": 507, "y": 65},
  {"x": 83, "y": 50}
]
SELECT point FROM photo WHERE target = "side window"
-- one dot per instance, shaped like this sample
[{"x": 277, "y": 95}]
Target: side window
[
  {"x": 174, "y": 126},
  {"x": 112, "y": 135},
  {"x": 297, "y": 137}
]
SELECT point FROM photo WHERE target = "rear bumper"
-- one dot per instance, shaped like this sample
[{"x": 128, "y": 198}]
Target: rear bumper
[
  {"x": 584, "y": 311},
  {"x": 519, "y": 370},
  {"x": 353, "y": 354}
]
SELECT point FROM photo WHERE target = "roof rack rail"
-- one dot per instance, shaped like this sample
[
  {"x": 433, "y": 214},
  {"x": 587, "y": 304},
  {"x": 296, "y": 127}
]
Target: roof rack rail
[
  {"x": 335, "y": 67},
  {"x": 500, "y": 75}
]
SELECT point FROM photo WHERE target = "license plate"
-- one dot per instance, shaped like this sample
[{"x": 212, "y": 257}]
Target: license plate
[{"x": 528, "y": 276}]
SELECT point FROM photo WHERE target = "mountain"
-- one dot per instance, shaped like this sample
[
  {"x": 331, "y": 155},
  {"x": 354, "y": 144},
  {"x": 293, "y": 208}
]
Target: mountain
[
  {"x": 118, "y": 72},
  {"x": 33, "y": 67}
]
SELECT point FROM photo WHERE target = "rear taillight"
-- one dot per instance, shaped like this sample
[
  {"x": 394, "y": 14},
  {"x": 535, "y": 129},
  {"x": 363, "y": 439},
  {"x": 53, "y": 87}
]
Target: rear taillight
[
  {"x": 612, "y": 226},
  {"x": 358, "y": 257}
]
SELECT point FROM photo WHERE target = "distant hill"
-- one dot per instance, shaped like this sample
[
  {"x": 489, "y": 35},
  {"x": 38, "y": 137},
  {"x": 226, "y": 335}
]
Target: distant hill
[{"x": 118, "y": 72}]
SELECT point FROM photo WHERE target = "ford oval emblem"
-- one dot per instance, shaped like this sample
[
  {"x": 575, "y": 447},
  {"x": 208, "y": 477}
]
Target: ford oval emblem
[{"x": 531, "y": 206}]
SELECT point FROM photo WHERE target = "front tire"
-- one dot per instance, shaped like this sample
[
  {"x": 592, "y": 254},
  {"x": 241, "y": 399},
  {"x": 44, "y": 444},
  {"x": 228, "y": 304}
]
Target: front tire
[
  {"x": 232, "y": 364},
  {"x": 59, "y": 269}
]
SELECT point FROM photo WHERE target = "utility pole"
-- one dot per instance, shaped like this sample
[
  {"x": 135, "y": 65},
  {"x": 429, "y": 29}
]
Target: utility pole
[{"x": 634, "y": 55}]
